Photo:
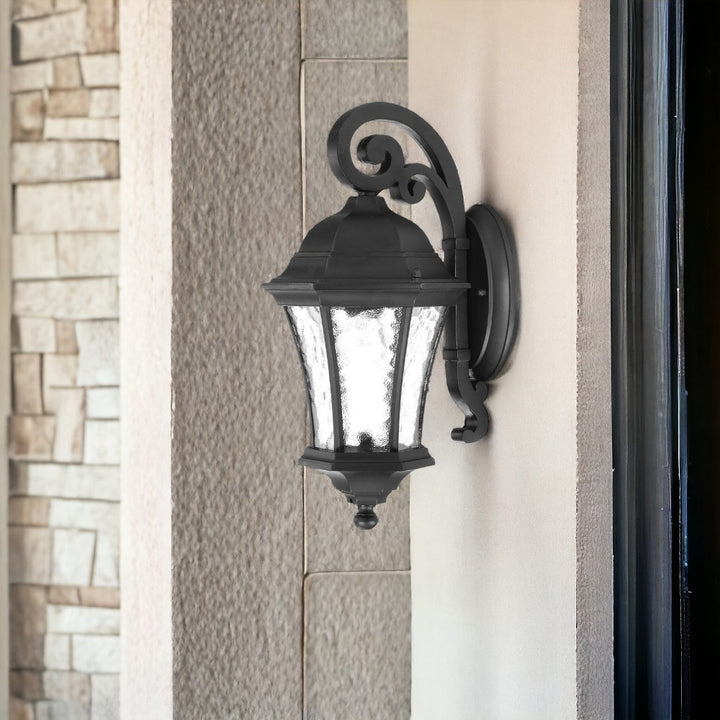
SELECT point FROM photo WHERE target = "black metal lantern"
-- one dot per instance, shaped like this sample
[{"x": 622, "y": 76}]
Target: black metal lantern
[{"x": 367, "y": 296}]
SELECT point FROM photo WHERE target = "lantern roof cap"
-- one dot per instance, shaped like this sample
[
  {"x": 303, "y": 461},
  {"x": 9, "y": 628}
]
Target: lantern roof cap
[{"x": 366, "y": 255}]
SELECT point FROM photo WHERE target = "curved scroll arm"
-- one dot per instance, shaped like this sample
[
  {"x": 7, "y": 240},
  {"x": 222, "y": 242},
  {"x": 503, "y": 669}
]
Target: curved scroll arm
[
  {"x": 405, "y": 182},
  {"x": 408, "y": 183}
]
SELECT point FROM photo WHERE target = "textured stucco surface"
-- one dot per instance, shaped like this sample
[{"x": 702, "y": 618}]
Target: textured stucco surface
[
  {"x": 594, "y": 391},
  {"x": 367, "y": 29},
  {"x": 219, "y": 210},
  {"x": 239, "y": 413},
  {"x": 357, "y": 647}
]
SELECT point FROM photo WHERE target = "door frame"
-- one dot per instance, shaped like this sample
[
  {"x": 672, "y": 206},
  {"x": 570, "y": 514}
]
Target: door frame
[{"x": 648, "y": 389}]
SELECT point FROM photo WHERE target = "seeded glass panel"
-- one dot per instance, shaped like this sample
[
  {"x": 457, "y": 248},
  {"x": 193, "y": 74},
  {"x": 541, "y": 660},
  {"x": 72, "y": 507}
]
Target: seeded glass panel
[
  {"x": 306, "y": 323},
  {"x": 423, "y": 337},
  {"x": 366, "y": 348}
]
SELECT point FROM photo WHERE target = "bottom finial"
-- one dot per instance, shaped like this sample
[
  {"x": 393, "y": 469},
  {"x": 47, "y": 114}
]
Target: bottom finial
[{"x": 365, "y": 517}]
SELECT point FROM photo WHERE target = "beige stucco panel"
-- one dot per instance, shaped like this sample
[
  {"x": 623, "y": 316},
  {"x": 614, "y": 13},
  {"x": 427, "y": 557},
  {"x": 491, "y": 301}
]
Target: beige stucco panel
[{"x": 493, "y": 525}]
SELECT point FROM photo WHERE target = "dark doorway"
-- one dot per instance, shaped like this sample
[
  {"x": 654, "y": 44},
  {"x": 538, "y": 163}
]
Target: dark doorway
[
  {"x": 702, "y": 351},
  {"x": 666, "y": 358},
  {"x": 648, "y": 391}
]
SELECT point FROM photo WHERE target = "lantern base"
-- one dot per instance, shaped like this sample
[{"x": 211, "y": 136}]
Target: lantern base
[{"x": 366, "y": 478}]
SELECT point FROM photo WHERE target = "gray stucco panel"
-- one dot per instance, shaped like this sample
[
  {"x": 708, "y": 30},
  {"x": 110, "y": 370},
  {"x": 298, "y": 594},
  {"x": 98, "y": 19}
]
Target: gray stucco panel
[
  {"x": 357, "y": 646},
  {"x": 239, "y": 415},
  {"x": 594, "y": 533},
  {"x": 367, "y": 29}
]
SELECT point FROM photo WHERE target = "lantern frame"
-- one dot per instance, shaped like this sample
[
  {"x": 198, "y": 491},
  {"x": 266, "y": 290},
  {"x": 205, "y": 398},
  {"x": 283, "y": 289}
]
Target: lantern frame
[{"x": 365, "y": 256}]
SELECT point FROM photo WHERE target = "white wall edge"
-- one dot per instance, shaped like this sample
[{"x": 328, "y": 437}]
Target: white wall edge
[{"x": 146, "y": 678}]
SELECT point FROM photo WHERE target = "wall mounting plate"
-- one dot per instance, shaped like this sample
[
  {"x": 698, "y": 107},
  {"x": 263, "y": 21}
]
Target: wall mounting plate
[{"x": 494, "y": 298}]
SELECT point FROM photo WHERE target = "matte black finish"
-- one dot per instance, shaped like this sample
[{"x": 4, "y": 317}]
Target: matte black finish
[
  {"x": 494, "y": 298},
  {"x": 366, "y": 256},
  {"x": 367, "y": 478},
  {"x": 365, "y": 517}
]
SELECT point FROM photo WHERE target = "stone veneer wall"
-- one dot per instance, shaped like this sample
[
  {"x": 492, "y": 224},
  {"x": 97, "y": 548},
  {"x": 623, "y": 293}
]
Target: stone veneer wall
[{"x": 64, "y": 431}]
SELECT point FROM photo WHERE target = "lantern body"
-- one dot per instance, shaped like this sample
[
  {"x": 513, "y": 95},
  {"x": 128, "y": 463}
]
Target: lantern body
[
  {"x": 367, "y": 371},
  {"x": 366, "y": 297}
]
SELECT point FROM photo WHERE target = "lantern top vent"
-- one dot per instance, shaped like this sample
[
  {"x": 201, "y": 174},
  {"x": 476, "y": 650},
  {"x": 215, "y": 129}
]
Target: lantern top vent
[{"x": 366, "y": 256}]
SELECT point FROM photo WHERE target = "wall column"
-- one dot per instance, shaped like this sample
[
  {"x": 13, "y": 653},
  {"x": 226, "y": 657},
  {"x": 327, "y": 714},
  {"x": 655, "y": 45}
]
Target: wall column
[
  {"x": 212, "y": 521},
  {"x": 246, "y": 584}
]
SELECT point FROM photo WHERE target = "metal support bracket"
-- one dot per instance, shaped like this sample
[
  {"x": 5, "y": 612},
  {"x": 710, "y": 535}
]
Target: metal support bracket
[{"x": 482, "y": 329}]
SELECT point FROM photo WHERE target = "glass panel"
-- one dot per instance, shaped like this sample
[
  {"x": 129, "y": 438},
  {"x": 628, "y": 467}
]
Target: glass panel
[
  {"x": 425, "y": 326},
  {"x": 366, "y": 347},
  {"x": 306, "y": 323}
]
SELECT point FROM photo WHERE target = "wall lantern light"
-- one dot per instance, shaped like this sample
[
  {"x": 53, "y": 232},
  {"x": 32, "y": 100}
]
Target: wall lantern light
[{"x": 367, "y": 297}]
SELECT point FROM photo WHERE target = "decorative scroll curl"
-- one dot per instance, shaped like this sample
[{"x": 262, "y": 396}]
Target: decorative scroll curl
[{"x": 406, "y": 182}]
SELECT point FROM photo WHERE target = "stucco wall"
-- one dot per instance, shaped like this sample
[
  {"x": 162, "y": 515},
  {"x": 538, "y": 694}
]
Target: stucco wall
[
  {"x": 503, "y": 581},
  {"x": 246, "y": 585}
]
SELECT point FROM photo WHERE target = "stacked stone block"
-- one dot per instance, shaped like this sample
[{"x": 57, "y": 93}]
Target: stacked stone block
[{"x": 64, "y": 432}]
